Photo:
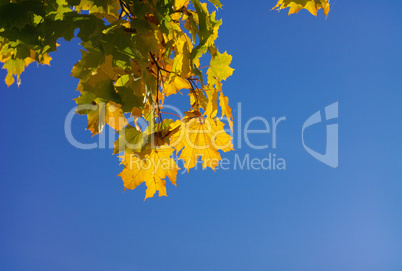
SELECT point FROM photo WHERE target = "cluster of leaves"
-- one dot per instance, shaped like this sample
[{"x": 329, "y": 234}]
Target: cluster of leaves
[
  {"x": 135, "y": 54},
  {"x": 311, "y": 5}
]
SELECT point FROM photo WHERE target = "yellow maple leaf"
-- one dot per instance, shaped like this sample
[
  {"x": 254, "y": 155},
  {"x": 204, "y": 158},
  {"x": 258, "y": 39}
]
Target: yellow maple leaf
[
  {"x": 31, "y": 58},
  {"x": 110, "y": 114},
  {"x": 226, "y": 110},
  {"x": 44, "y": 59},
  {"x": 99, "y": 113},
  {"x": 219, "y": 68},
  {"x": 153, "y": 170},
  {"x": 212, "y": 106},
  {"x": 14, "y": 67},
  {"x": 224, "y": 103},
  {"x": 178, "y": 4},
  {"x": 223, "y": 141},
  {"x": 181, "y": 61},
  {"x": 175, "y": 86},
  {"x": 311, "y": 5},
  {"x": 108, "y": 8},
  {"x": 198, "y": 99},
  {"x": 114, "y": 116},
  {"x": 201, "y": 137}
]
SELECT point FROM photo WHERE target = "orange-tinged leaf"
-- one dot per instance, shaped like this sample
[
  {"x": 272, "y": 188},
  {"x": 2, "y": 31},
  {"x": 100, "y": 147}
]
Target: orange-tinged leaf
[
  {"x": 9, "y": 79},
  {"x": 114, "y": 116},
  {"x": 311, "y": 5},
  {"x": 108, "y": 69},
  {"x": 31, "y": 58},
  {"x": 175, "y": 86},
  {"x": 136, "y": 112},
  {"x": 153, "y": 170},
  {"x": 46, "y": 59}
]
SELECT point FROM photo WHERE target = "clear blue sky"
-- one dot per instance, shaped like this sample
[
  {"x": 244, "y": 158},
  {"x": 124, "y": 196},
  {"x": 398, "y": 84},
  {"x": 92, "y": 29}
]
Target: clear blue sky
[{"x": 62, "y": 208}]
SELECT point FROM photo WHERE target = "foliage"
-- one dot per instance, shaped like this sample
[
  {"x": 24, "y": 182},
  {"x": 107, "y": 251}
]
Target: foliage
[
  {"x": 135, "y": 54},
  {"x": 311, "y": 5}
]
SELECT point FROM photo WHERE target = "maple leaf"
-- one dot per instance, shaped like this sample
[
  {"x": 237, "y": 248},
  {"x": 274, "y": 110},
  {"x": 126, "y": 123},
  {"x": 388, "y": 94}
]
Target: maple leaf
[
  {"x": 212, "y": 106},
  {"x": 15, "y": 62},
  {"x": 224, "y": 103},
  {"x": 153, "y": 170},
  {"x": 181, "y": 61},
  {"x": 99, "y": 113},
  {"x": 44, "y": 59},
  {"x": 216, "y": 3},
  {"x": 107, "y": 8},
  {"x": 14, "y": 67},
  {"x": 311, "y": 5},
  {"x": 178, "y": 4},
  {"x": 89, "y": 63},
  {"x": 219, "y": 68},
  {"x": 201, "y": 137},
  {"x": 101, "y": 85},
  {"x": 198, "y": 99},
  {"x": 175, "y": 85},
  {"x": 131, "y": 93},
  {"x": 130, "y": 140}
]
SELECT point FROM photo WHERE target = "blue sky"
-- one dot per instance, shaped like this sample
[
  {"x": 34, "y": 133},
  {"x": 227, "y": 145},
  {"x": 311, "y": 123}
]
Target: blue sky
[{"x": 63, "y": 208}]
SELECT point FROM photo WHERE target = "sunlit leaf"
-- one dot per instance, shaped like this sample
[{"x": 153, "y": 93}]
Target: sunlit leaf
[
  {"x": 311, "y": 5},
  {"x": 153, "y": 170}
]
